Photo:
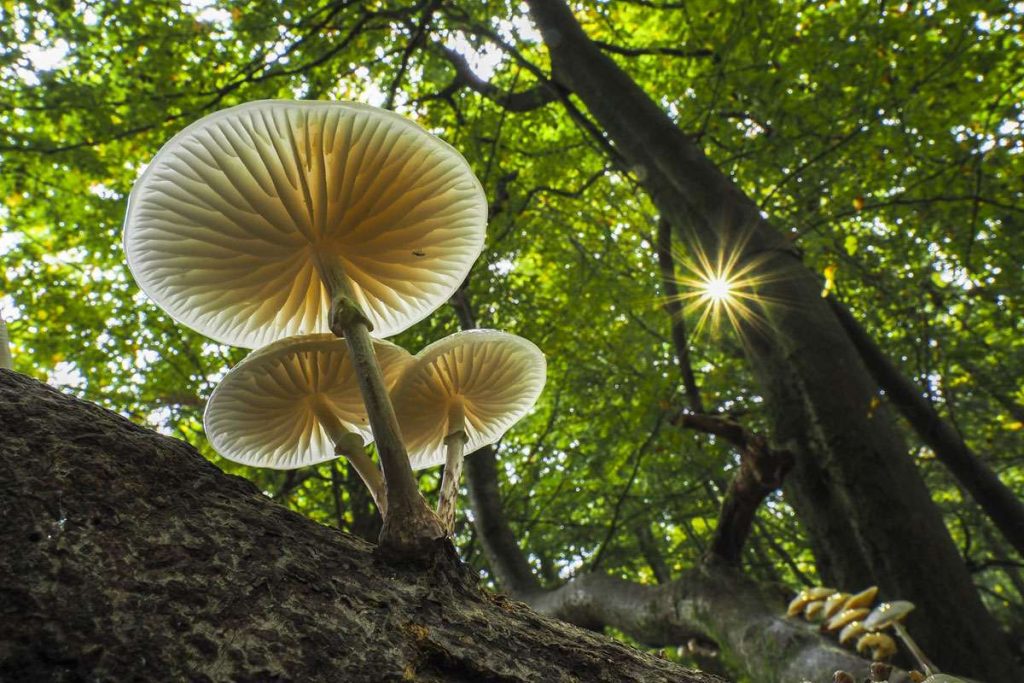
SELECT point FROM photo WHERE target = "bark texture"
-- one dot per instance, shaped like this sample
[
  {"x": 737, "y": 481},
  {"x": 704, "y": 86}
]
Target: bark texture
[
  {"x": 127, "y": 556},
  {"x": 867, "y": 511}
]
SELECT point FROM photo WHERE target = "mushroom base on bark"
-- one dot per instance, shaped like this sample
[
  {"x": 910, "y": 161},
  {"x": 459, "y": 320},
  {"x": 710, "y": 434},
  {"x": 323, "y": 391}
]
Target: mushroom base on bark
[
  {"x": 410, "y": 527},
  {"x": 413, "y": 534}
]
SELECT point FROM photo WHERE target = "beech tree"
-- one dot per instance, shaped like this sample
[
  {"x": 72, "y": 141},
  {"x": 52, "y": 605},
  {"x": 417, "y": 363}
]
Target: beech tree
[{"x": 847, "y": 172}]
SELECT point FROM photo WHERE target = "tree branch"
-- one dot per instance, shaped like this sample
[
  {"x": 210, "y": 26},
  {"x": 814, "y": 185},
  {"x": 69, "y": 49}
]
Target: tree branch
[
  {"x": 1001, "y": 505},
  {"x": 524, "y": 100},
  {"x": 670, "y": 51},
  {"x": 674, "y": 307}
]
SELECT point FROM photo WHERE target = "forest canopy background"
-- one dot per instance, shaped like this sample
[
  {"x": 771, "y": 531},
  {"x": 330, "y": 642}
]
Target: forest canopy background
[{"x": 884, "y": 139}]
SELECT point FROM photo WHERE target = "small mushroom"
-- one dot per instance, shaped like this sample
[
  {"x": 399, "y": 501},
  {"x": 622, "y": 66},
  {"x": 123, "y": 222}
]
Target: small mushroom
[
  {"x": 892, "y": 614},
  {"x": 814, "y": 610},
  {"x": 296, "y": 402},
  {"x": 845, "y": 617},
  {"x": 881, "y": 646},
  {"x": 833, "y": 604},
  {"x": 862, "y": 599},
  {"x": 799, "y": 603},
  {"x": 850, "y": 631},
  {"x": 464, "y": 392},
  {"x": 880, "y": 672}
]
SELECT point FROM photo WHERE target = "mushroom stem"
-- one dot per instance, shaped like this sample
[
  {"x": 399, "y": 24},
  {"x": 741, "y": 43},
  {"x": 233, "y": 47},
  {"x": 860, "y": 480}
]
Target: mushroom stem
[
  {"x": 409, "y": 525},
  {"x": 350, "y": 445},
  {"x": 455, "y": 442},
  {"x": 927, "y": 666}
]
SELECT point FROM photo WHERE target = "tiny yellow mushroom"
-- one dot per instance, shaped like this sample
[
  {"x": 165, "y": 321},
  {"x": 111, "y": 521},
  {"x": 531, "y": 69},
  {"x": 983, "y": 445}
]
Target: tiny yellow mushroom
[
  {"x": 813, "y": 610},
  {"x": 834, "y": 604},
  {"x": 862, "y": 599},
  {"x": 846, "y": 616},
  {"x": 797, "y": 605},
  {"x": 882, "y": 646},
  {"x": 850, "y": 631}
]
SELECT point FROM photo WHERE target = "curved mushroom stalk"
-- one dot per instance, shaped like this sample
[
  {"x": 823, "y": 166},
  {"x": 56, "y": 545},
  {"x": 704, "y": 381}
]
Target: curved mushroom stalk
[
  {"x": 892, "y": 614},
  {"x": 926, "y": 664},
  {"x": 408, "y": 522},
  {"x": 455, "y": 444},
  {"x": 350, "y": 445},
  {"x": 464, "y": 392},
  {"x": 6, "y": 362}
]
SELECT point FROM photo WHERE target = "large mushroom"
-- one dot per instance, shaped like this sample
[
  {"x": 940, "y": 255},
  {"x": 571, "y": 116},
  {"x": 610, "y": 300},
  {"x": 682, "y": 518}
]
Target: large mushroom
[
  {"x": 278, "y": 218},
  {"x": 295, "y": 403},
  {"x": 463, "y": 393}
]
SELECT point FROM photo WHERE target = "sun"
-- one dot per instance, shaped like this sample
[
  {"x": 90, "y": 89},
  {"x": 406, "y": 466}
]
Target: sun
[
  {"x": 724, "y": 287},
  {"x": 717, "y": 289}
]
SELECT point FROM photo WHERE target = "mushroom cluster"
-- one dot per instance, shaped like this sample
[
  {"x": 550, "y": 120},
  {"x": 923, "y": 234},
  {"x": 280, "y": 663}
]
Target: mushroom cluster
[
  {"x": 298, "y": 229},
  {"x": 853, "y": 617}
]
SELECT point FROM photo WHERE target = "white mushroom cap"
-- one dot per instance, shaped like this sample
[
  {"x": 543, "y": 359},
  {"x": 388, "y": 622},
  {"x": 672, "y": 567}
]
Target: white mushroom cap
[
  {"x": 225, "y": 225},
  {"x": 496, "y": 376},
  {"x": 264, "y": 411},
  {"x": 886, "y": 613}
]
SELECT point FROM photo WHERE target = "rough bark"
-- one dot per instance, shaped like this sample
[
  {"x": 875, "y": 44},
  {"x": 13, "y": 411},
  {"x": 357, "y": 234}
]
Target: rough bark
[
  {"x": 127, "y": 556},
  {"x": 1002, "y": 505},
  {"x": 866, "y": 508}
]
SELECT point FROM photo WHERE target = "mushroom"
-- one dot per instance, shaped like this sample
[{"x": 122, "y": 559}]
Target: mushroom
[
  {"x": 892, "y": 614},
  {"x": 834, "y": 604},
  {"x": 845, "y": 617},
  {"x": 862, "y": 599},
  {"x": 797, "y": 604},
  {"x": 850, "y": 631},
  {"x": 882, "y": 647},
  {"x": 277, "y": 218},
  {"x": 464, "y": 392},
  {"x": 6, "y": 362},
  {"x": 295, "y": 403},
  {"x": 813, "y": 610}
]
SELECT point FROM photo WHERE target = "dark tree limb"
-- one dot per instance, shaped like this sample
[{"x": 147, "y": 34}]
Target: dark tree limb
[
  {"x": 674, "y": 307},
  {"x": 524, "y": 100},
  {"x": 633, "y": 51},
  {"x": 127, "y": 556},
  {"x": 994, "y": 497},
  {"x": 761, "y": 473}
]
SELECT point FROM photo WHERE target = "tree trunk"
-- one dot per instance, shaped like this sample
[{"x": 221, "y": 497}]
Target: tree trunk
[
  {"x": 995, "y": 498},
  {"x": 127, "y": 556},
  {"x": 867, "y": 511}
]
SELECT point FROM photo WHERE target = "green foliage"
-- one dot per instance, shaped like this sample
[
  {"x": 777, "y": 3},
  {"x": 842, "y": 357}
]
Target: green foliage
[{"x": 887, "y": 138}]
